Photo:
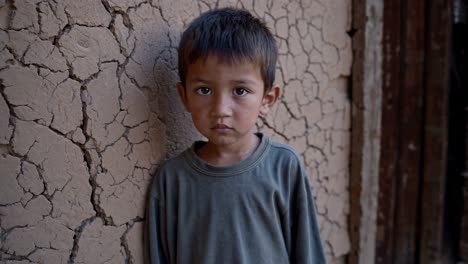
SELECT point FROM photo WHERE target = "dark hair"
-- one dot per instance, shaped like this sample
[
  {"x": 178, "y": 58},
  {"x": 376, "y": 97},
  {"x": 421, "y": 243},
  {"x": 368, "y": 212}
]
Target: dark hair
[{"x": 232, "y": 35}]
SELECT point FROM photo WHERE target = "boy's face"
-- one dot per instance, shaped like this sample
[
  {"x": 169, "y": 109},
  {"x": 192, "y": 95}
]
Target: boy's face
[{"x": 225, "y": 99}]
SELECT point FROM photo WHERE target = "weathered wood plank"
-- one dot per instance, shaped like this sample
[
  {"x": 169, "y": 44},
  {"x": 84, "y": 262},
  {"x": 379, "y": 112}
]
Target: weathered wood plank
[
  {"x": 411, "y": 119},
  {"x": 435, "y": 132},
  {"x": 389, "y": 151}
]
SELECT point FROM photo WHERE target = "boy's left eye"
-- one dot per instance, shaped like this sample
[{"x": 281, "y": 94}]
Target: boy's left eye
[{"x": 240, "y": 91}]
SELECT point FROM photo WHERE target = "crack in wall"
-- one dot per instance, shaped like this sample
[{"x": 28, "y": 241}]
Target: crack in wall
[
  {"x": 76, "y": 239},
  {"x": 10, "y": 5},
  {"x": 88, "y": 157},
  {"x": 129, "y": 259}
]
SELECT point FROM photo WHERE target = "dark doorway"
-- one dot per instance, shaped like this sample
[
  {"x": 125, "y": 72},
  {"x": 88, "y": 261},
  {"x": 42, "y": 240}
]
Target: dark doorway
[{"x": 457, "y": 172}]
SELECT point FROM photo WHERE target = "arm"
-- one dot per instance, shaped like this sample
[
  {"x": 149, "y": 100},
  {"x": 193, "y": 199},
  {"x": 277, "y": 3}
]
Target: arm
[
  {"x": 154, "y": 242},
  {"x": 305, "y": 232}
]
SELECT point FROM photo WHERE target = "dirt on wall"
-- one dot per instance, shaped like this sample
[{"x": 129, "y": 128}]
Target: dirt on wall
[{"x": 88, "y": 110}]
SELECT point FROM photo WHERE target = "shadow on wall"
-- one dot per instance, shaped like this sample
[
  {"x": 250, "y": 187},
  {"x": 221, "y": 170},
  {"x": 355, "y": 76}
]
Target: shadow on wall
[
  {"x": 166, "y": 103},
  {"x": 180, "y": 131}
]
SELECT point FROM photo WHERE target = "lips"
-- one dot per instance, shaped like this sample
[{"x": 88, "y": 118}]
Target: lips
[{"x": 221, "y": 127}]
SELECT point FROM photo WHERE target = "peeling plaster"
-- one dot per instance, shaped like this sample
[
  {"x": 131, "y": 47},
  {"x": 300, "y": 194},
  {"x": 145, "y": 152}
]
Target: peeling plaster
[{"x": 88, "y": 110}]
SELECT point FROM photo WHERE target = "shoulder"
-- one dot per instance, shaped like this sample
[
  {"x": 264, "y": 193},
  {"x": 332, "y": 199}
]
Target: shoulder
[
  {"x": 169, "y": 171},
  {"x": 172, "y": 163},
  {"x": 284, "y": 162},
  {"x": 173, "y": 168},
  {"x": 283, "y": 152},
  {"x": 281, "y": 147}
]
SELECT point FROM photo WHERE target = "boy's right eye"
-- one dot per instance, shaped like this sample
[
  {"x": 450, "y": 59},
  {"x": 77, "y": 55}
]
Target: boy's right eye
[{"x": 203, "y": 91}]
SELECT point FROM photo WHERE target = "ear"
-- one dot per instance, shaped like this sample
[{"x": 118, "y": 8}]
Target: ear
[
  {"x": 269, "y": 100},
  {"x": 182, "y": 95}
]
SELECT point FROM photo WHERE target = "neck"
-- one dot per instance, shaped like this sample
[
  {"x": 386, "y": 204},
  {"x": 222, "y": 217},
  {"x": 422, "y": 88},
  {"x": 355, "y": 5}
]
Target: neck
[{"x": 222, "y": 155}]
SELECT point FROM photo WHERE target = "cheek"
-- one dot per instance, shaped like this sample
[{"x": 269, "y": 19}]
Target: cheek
[
  {"x": 197, "y": 105},
  {"x": 249, "y": 112},
  {"x": 199, "y": 122},
  {"x": 197, "y": 116}
]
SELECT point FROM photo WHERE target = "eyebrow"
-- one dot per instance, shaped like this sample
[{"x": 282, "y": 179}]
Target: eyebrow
[
  {"x": 198, "y": 79},
  {"x": 241, "y": 81}
]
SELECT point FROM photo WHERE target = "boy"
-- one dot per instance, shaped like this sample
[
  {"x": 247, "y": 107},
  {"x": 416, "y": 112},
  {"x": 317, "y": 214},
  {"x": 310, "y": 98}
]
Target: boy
[{"x": 239, "y": 197}]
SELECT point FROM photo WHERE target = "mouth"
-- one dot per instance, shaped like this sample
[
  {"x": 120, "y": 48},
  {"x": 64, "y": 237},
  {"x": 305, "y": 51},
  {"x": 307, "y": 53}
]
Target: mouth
[{"x": 221, "y": 127}]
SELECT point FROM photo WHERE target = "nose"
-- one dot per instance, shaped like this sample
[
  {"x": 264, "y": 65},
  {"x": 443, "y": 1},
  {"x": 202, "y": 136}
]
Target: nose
[{"x": 221, "y": 106}]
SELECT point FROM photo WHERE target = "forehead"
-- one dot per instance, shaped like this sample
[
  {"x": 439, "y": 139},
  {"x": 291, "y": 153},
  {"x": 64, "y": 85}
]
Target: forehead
[{"x": 212, "y": 66}]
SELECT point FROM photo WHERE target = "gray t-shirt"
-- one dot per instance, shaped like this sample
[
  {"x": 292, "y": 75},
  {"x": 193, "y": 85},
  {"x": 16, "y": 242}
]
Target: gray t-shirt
[{"x": 259, "y": 210}]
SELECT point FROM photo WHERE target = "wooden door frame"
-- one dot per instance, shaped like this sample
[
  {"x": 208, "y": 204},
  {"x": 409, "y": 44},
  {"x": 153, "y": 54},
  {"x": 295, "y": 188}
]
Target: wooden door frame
[
  {"x": 412, "y": 133},
  {"x": 414, "y": 136}
]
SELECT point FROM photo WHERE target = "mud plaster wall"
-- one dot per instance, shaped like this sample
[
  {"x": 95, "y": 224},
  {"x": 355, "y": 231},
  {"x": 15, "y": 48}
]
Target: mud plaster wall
[{"x": 88, "y": 110}]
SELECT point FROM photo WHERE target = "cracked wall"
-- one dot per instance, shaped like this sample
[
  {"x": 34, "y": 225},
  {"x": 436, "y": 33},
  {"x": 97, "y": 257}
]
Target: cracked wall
[{"x": 88, "y": 109}]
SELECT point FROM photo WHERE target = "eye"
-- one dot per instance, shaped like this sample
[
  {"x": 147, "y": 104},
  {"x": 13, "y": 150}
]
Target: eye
[
  {"x": 204, "y": 91},
  {"x": 240, "y": 91}
]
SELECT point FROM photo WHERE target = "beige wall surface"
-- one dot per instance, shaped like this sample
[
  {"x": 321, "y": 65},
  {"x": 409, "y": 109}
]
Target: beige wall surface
[{"x": 88, "y": 110}]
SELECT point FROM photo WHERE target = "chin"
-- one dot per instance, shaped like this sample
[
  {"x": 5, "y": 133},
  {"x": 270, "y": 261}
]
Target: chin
[{"x": 221, "y": 140}]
